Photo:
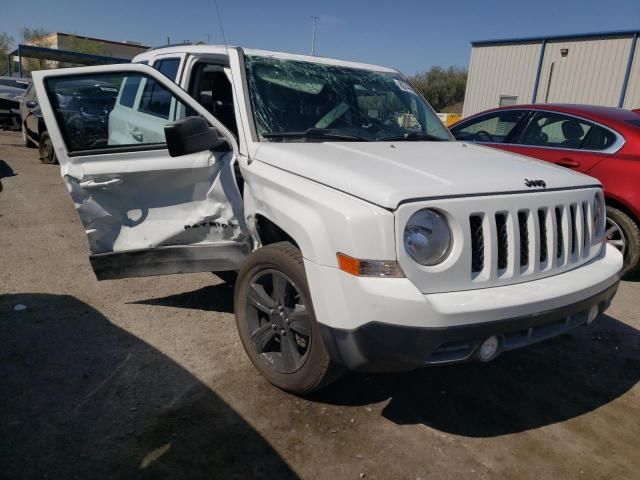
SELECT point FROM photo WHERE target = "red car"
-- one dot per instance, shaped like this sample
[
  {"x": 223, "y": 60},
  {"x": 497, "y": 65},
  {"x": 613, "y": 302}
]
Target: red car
[{"x": 603, "y": 142}]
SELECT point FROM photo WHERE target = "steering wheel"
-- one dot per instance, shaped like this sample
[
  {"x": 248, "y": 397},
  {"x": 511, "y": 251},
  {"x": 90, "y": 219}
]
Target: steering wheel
[
  {"x": 482, "y": 133},
  {"x": 371, "y": 124}
]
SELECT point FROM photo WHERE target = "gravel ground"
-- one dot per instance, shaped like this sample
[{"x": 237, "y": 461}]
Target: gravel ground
[{"x": 146, "y": 378}]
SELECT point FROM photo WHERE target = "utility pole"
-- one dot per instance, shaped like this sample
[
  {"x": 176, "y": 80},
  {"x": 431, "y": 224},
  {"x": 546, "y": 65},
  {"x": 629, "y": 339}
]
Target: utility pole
[
  {"x": 209, "y": 38},
  {"x": 168, "y": 40},
  {"x": 313, "y": 38}
]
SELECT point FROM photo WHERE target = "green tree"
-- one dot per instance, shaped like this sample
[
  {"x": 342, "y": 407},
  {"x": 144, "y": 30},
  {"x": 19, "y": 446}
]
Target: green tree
[
  {"x": 443, "y": 89},
  {"x": 6, "y": 41},
  {"x": 35, "y": 36}
]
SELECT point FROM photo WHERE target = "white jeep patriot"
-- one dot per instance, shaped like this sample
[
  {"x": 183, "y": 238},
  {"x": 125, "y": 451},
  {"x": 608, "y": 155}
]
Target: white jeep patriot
[{"x": 364, "y": 236}]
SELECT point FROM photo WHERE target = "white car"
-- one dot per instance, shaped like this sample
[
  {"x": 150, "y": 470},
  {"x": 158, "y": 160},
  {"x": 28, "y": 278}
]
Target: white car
[{"x": 364, "y": 236}]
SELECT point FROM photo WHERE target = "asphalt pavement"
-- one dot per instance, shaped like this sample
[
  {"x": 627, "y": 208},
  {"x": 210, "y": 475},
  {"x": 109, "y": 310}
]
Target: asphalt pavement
[{"x": 146, "y": 378}]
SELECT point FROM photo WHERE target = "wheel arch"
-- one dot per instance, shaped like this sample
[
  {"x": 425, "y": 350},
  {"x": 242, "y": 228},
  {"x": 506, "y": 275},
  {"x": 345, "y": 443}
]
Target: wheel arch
[
  {"x": 620, "y": 205},
  {"x": 270, "y": 232}
]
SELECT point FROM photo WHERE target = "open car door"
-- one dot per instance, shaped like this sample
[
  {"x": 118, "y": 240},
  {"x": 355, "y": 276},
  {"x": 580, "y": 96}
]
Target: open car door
[{"x": 144, "y": 212}]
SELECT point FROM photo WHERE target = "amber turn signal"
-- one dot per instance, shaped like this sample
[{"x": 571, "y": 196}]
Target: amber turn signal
[{"x": 369, "y": 268}]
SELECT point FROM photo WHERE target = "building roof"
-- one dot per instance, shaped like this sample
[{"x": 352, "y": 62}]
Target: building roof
[
  {"x": 540, "y": 39},
  {"x": 30, "y": 51},
  {"x": 93, "y": 39}
]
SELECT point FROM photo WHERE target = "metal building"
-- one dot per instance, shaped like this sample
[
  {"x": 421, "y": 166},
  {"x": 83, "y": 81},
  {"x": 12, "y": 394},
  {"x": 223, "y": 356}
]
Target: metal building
[{"x": 593, "y": 68}]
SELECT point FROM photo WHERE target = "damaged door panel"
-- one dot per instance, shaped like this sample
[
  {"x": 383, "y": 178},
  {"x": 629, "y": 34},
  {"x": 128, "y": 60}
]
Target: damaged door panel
[{"x": 144, "y": 212}]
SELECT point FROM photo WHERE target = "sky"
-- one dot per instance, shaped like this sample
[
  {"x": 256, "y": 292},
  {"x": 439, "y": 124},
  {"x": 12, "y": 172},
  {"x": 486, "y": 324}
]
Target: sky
[{"x": 409, "y": 35}]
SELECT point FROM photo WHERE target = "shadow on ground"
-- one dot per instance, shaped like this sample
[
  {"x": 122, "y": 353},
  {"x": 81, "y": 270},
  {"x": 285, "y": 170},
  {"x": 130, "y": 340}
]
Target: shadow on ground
[
  {"x": 82, "y": 398},
  {"x": 212, "y": 298},
  {"x": 521, "y": 390},
  {"x": 6, "y": 170}
]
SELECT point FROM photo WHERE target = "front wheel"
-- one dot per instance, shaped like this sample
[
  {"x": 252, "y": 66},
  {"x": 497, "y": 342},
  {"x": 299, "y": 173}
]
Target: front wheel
[
  {"x": 277, "y": 323},
  {"x": 623, "y": 233}
]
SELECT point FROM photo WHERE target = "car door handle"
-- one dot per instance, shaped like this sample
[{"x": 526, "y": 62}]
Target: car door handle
[
  {"x": 136, "y": 134},
  {"x": 89, "y": 184},
  {"x": 568, "y": 162}
]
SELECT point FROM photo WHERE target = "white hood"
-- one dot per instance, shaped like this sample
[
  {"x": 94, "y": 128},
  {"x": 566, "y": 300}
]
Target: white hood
[{"x": 388, "y": 173}]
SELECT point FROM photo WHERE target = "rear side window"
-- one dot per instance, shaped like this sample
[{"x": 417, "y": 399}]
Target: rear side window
[
  {"x": 598, "y": 138},
  {"x": 168, "y": 67},
  {"x": 156, "y": 100},
  {"x": 635, "y": 123},
  {"x": 555, "y": 130}
]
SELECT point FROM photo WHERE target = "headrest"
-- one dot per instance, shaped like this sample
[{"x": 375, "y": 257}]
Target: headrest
[{"x": 572, "y": 130}]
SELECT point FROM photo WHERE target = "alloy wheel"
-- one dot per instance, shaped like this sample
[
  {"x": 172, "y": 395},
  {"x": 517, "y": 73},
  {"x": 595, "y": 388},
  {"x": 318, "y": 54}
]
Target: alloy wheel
[
  {"x": 278, "y": 321},
  {"x": 615, "y": 235}
]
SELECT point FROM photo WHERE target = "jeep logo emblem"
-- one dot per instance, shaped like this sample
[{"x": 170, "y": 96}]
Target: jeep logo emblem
[{"x": 535, "y": 183}]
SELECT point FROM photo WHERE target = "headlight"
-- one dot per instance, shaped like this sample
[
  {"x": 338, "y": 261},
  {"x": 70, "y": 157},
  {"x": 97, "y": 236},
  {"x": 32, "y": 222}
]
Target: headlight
[
  {"x": 598, "y": 213},
  {"x": 427, "y": 237}
]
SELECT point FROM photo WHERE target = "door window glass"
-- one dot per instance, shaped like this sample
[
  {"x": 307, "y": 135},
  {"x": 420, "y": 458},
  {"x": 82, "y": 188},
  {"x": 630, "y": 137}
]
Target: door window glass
[
  {"x": 211, "y": 87},
  {"x": 494, "y": 127},
  {"x": 555, "y": 130},
  {"x": 100, "y": 111},
  {"x": 129, "y": 91}
]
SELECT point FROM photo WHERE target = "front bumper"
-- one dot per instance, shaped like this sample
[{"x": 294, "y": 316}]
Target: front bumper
[
  {"x": 383, "y": 347},
  {"x": 378, "y": 324}
]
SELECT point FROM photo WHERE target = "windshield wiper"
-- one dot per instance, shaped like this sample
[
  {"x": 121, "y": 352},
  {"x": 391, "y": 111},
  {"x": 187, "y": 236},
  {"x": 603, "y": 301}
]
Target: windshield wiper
[
  {"x": 412, "y": 136},
  {"x": 318, "y": 133}
]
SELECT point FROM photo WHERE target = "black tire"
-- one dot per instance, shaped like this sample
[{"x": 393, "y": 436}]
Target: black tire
[
  {"x": 314, "y": 368},
  {"x": 628, "y": 233},
  {"x": 27, "y": 141},
  {"x": 45, "y": 148}
]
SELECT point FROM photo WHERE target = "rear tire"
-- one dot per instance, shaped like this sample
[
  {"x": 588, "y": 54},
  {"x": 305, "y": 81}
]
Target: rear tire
[
  {"x": 45, "y": 148},
  {"x": 25, "y": 138},
  {"x": 274, "y": 278},
  {"x": 623, "y": 233}
]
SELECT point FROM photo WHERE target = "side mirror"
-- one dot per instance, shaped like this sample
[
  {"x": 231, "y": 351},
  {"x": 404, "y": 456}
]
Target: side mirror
[
  {"x": 191, "y": 135},
  {"x": 31, "y": 104}
]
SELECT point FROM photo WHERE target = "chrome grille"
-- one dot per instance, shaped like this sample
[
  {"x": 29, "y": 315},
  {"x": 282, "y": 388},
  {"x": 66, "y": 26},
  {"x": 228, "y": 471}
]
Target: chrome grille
[
  {"x": 559, "y": 233},
  {"x": 477, "y": 243},
  {"x": 539, "y": 238},
  {"x": 543, "y": 237},
  {"x": 523, "y": 217},
  {"x": 503, "y": 240}
]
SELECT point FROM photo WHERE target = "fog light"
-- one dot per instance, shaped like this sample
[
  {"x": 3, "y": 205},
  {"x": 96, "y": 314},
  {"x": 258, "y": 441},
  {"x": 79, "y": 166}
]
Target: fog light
[
  {"x": 593, "y": 313},
  {"x": 489, "y": 348}
]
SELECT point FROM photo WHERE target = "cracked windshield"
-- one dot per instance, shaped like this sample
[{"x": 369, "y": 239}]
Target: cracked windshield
[{"x": 303, "y": 101}]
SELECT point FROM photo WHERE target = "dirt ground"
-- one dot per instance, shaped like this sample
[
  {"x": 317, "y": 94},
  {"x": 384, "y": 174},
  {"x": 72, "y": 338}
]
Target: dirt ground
[{"x": 146, "y": 378}]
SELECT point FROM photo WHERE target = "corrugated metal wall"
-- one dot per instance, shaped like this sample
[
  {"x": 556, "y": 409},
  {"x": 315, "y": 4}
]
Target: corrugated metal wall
[
  {"x": 592, "y": 72},
  {"x": 632, "y": 99},
  {"x": 500, "y": 70}
]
